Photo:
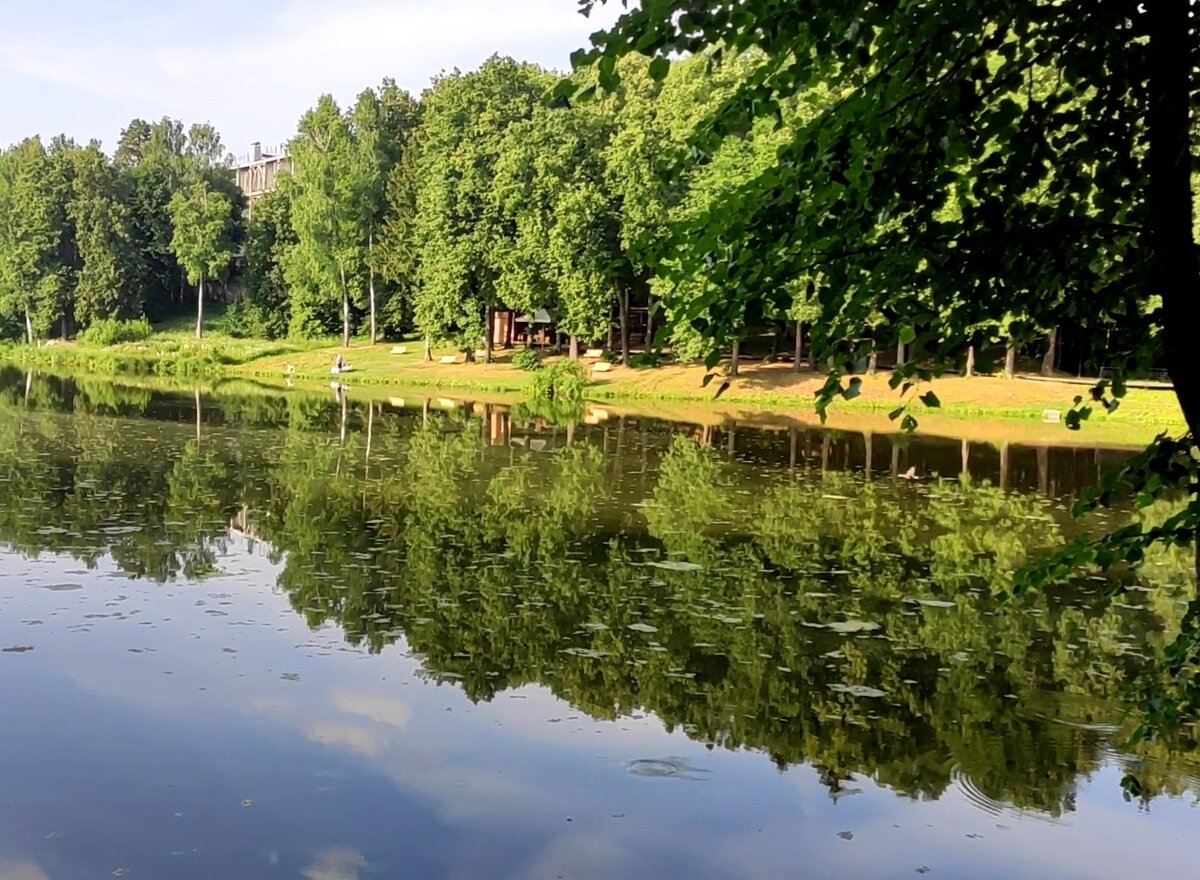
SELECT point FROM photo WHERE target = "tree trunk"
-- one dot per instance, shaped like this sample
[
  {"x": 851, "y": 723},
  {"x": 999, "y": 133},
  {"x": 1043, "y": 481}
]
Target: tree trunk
[
  {"x": 1010, "y": 358},
  {"x": 28, "y": 326},
  {"x": 1004, "y": 465},
  {"x": 200, "y": 308},
  {"x": 799, "y": 346},
  {"x": 428, "y": 348},
  {"x": 650, "y": 324},
  {"x": 1174, "y": 273},
  {"x": 1051, "y": 351},
  {"x": 970, "y": 360},
  {"x": 899, "y": 354},
  {"x": 869, "y": 453},
  {"x": 873, "y": 363},
  {"x": 64, "y": 327},
  {"x": 371, "y": 284},
  {"x": 735, "y": 357},
  {"x": 487, "y": 334},
  {"x": 574, "y": 347},
  {"x": 623, "y": 305},
  {"x": 345, "y": 309},
  {"x": 199, "y": 419},
  {"x": 966, "y": 458}
]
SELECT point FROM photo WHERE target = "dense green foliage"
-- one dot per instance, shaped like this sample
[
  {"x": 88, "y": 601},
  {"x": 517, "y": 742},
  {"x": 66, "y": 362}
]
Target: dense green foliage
[
  {"x": 985, "y": 171},
  {"x": 85, "y": 238}
]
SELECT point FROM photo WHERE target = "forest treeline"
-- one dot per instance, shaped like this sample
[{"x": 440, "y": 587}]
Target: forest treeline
[{"x": 407, "y": 215}]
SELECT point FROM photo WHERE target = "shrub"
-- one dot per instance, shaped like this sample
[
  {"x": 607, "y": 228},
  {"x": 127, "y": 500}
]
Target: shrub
[
  {"x": 110, "y": 331},
  {"x": 526, "y": 359},
  {"x": 563, "y": 382},
  {"x": 240, "y": 321}
]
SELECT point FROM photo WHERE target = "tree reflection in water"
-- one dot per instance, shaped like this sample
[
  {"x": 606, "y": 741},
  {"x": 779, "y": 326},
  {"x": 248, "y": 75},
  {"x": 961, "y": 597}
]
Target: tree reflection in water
[{"x": 808, "y": 612}]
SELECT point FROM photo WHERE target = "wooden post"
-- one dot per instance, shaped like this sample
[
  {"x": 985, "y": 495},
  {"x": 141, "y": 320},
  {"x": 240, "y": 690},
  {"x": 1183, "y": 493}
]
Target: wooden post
[
  {"x": 487, "y": 334},
  {"x": 650, "y": 324},
  {"x": 970, "y": 360},
  {"x": 1010, "y": 358},
  {"x": 623, "y": 304},
  {"x": 899, "y": 354},
  {"x": 734, "y": 356},
  {"x": 799, "y": 346}
]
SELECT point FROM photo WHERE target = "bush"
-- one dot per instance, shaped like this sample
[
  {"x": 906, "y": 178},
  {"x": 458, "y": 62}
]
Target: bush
[
  {"x": 241, "y": 322},
  {"x": 563, "y": 382},
  {"x": 526, "y": 359},
  {"x": 110, "y": 331}
]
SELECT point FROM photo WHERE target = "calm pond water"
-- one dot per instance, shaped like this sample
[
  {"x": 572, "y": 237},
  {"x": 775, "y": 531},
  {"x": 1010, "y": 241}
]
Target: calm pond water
[{"x": 303, "y": 637}]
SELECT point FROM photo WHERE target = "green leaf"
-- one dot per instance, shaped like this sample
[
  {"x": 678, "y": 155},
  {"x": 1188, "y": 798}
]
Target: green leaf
[
  {"x": 897, "y": 412},
  {"x": 659, "y": 68},
  {"x": 909, "y": 424},
  {"x": 930, "y": 400},
  {"x": 908, "y": 334}
]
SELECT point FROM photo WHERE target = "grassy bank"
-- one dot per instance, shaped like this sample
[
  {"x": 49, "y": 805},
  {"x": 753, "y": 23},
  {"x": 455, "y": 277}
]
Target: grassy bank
[{"x": 762, "y": 388}]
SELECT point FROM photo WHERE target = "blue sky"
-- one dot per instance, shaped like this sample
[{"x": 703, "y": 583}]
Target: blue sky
[{"x": 250, "y": 67}]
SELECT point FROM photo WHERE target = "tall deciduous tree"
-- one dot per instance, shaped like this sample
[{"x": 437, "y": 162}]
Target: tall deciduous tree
[
  {"x": 202, "y": 242},
  {"x": 268, "y": 235},
  {"x": 110, "y": 279},
  {"x": 33, "y": 277},
  {"x": 462, "y": 232},
  {"x": 566, "y": 251},
  {"x": 327, "y": 206}
]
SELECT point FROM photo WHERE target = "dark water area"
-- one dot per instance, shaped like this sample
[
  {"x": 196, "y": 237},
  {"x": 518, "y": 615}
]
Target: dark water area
[{"x": 304, "y": 636}]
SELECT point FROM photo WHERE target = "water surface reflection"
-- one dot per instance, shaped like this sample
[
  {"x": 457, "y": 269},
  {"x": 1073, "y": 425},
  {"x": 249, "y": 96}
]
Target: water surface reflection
[{"x": 303, "y": 637}]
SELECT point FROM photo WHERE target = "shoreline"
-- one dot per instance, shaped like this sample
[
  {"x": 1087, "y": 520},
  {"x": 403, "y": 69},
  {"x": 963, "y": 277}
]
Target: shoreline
[{"x": 979, "y": 406}]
